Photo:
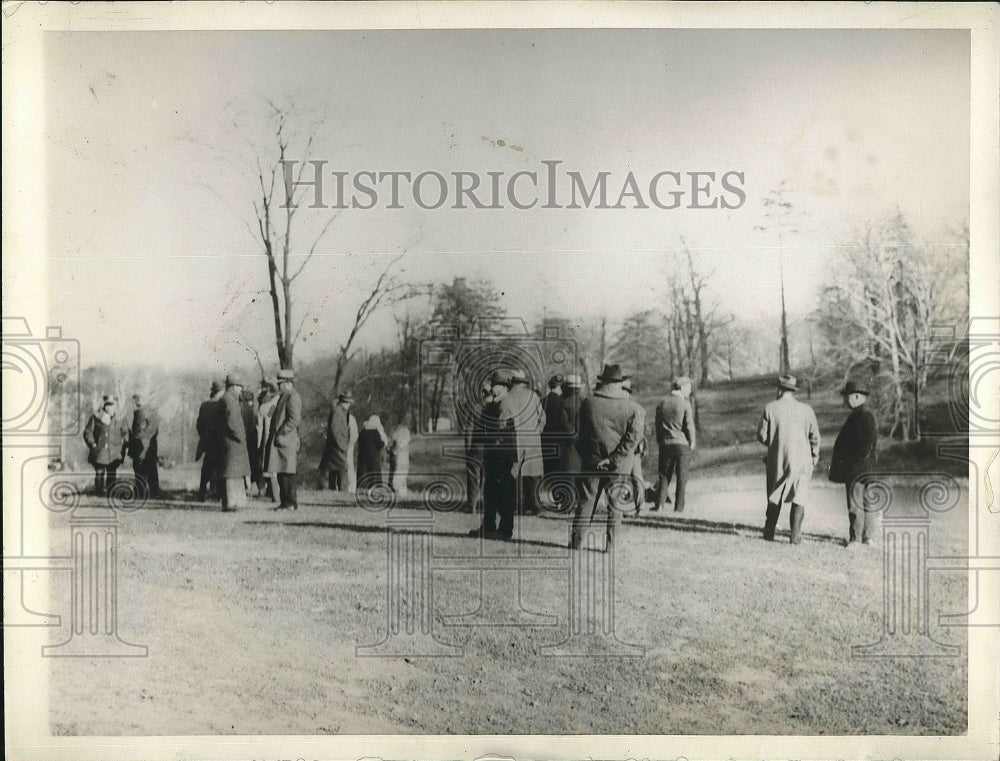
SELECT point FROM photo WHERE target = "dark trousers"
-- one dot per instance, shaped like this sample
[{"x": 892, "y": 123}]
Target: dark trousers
[
  {"x": 207, "y": 486},
  {"x": 286, "y": 489},
  {"x": 675, "y": 460},
  {"x": 337, "y": 479},
  {"x": 596, "y": 500},
  {"x": 529, "y": 494},
  {"x": 499, "y": 497},
  {"x": 474, "y": 485},
  {"x": 105, "y": 477},
  {"x": 147, "y": 476},
  {"x": 864, "y": 523},
  {"x": 794, "y": 521}
]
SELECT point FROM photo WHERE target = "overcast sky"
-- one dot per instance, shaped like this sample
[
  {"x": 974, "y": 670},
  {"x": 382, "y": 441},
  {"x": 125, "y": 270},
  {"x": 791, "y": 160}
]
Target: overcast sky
[{"x": 150, "y": 259}]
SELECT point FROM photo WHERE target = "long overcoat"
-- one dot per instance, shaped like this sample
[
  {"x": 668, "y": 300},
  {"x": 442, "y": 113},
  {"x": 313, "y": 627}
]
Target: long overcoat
[
  {"x": 524, "y": 409},
  {"x": 104, "y": 440},
  {"x": 610, "y": 428},
  {"x": 282, "y": 452},
  {"x": 855, "y": 450},
  {"x": 143, "y": 445},
  {"x": 569, "y": 421},
  {"x": 233, "y": 459},
  {"x": 789, "y": 430}
]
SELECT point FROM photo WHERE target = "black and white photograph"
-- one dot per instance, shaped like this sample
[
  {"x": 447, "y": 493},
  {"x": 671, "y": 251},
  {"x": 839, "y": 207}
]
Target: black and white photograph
[{"x": 516, "y": 380}]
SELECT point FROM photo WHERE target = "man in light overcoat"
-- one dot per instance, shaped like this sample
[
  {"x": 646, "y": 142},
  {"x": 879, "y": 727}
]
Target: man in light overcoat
[
  {"x": 789, "y": 430},
  {"x": 523, "y": 407},
  {"x": 282, "y": 454},
  {"x": 234, "y": 462}
]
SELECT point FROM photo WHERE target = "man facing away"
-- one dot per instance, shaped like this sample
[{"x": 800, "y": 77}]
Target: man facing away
[
  {"x": 609, "y": 430},
  {"x": 551, "y": 433},
  {"x": 675, "y": 438},
  {"x": 341, "y": 433},
  {"x": 234, "y": 459},
  {"x": 789, "y": 430},
  {"x": 144, "y": 447},
  {"x": 495, "y": 435},
  {"x": 524, "y": 407},
  {"x": 282, "y": 452},
  {"x": 854, "y": 453},
  {"x": 208, "y": 425}
]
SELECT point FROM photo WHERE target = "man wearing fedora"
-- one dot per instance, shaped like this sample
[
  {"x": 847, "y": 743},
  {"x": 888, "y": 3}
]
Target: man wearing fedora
[
  {"x": 341, "y": 433},
  {"x": 208, "y": 426},
  {"x": 675, "y": 439},
  {"x": 610, "y": 427},
  {"x": 789, "y": 430},
  {"x": 282, "y": 452},
  {"x": 854, "y": 453},
  {"x": 495, "y": 435},
  {"x": 234, "y": 459},
  {"x": 524, "y": 407}
]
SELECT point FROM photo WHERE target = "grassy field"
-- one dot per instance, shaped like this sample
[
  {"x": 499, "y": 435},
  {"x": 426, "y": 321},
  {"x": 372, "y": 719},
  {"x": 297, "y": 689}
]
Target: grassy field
[{"x": 252, "y": 618}]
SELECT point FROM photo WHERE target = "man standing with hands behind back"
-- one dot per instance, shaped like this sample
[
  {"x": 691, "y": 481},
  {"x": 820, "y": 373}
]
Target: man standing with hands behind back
[
  {"x": 282, "y": 451},
  {"x": 675, "y": 437}
]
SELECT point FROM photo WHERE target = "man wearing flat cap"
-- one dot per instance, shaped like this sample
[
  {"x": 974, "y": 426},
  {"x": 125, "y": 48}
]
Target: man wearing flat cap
[
  {"x": 789, "y": 430},
  {"x": 854, "y": 453},
  {"x": 208, "y": 426},
  {"x": 495, "y": 435},
  {"x": 610, "y": 428},
  {"x": 234, "y": 460},
  {"x": 282, "y": 452}
]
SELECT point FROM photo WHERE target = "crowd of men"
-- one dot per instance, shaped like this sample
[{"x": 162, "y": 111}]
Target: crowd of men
[
  {"x": 249, "y": 444},
  {"x": 585, "y": 454}
]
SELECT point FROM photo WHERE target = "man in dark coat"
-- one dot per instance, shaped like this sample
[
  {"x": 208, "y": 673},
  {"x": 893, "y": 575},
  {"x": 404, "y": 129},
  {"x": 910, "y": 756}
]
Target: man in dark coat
[
  {"x": 338, "y": 450},
  {"x": 675, "y": 438},
  {"x": 281, "y": 454},
  {"x": 564, "y": 488},
  {"x": 495, "y": 434},
  {"x": 789, "y": 430},
  {"x": 208, "y": 425},
  {"x": 234, "y": 464},
  {"x": 474, "y": 454},
  {"x": 106, "y": 445},
  {"x": 144, "y": 448},
  {"x": 854, "y": 453},
  {"x": 248, "y": 407},
  {"x": 611, "y": 426},
  {"x": 551, "y": 433}
]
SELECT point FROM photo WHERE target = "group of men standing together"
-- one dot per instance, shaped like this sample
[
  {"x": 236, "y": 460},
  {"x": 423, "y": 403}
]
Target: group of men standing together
[
  {"x": 586, "y": 450},
  {"x": 250, "y": 444},
  {"x": 110, "y": 440}
]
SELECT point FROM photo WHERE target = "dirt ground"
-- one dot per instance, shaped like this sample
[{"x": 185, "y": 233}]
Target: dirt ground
[{"x": 252, "y": 620}]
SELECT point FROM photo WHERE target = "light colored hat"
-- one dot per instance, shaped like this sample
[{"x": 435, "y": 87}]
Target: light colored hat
[
  {"x": 573, "y": 381},
  {"x": 286, "y": 374},
  {"x": 519, "y": 376},
  {"x": 788, "y": 382},
  {"x": 681, "y": 382}
]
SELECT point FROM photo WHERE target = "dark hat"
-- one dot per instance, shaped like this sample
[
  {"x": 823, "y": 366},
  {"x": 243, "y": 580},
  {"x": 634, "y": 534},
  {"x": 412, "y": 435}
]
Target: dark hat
[
  {"x": 215, "y": 388},
  {"x": 286, "y": 374},
  {"x": 573, "y": 381},
  {"x": 233, "y": 380},
  {"x": 345, "y": 396},
  {"x": 501, "y": 378},
  {"x": 612, "y": 374},
  {"x": 788, "y": 382},
  {"x": 556, "y": 380},
  {"x": 855, "y": 387}
]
